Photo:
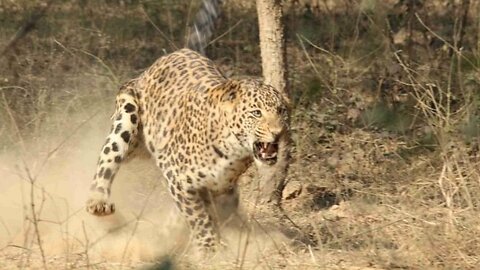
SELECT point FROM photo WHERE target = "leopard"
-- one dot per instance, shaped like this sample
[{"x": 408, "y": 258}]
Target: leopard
[{"x": 202, "y": 129}]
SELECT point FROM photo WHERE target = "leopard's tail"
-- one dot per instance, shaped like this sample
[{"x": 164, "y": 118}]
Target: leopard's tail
[{"x": 201, "y": 31}]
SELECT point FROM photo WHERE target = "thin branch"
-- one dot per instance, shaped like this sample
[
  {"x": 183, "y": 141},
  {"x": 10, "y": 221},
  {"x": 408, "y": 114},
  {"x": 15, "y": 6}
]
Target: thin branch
[
  {"x": 34, "y": 215},
  {"x": 170, "y": 42},
  {"x": 64, "y": 141},
  {"x": 456, "y": 50},
  {"x": 225, "y": 33}
]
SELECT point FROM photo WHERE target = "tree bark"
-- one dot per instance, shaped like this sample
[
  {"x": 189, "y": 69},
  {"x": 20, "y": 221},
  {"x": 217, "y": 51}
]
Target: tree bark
[
  {"x": 272, "y": 46},
  {"x": 272, "y": 43}
]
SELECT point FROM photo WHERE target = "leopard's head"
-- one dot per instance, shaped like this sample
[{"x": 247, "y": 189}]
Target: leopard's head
[{"x": 258, "y": 115}]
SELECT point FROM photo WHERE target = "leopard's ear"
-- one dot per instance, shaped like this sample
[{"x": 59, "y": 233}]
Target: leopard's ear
[
  {"x": 230, "y": 90},
  {"x": 229, "y": 95},
  {"x": 284, "y": 93}
]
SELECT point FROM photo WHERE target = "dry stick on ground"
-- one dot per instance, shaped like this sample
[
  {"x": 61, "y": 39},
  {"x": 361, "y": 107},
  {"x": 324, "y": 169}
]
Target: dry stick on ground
[
  {"x": 86, "y": 245},
  {"x": 116, "y": 229},
  {"x": 137, "y": 220},
  {"x": 34, "y": 220},
  {"x": 265, "y": 231},
  {"x": 242, "y": 251}
]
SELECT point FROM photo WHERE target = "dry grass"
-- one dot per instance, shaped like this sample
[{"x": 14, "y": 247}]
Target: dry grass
[{"x": 386, "y": 126}]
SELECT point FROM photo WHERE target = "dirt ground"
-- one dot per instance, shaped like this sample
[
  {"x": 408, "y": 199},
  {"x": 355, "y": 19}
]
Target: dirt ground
[{"x": 351, "y": 198}]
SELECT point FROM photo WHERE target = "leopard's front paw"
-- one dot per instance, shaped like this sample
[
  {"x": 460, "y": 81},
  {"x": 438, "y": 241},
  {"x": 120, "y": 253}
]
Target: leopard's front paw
[{"x": 99, "y": 207}]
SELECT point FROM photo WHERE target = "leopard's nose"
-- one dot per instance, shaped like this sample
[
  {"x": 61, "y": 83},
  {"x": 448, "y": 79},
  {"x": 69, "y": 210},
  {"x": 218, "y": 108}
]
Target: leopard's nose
[{"x": 276, "y": 133}]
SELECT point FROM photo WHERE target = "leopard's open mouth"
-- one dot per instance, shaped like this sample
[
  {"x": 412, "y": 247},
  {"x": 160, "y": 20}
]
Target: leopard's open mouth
[{"x": 266, "y": 152}]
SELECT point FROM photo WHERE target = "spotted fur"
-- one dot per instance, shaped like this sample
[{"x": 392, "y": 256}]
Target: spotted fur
[{"x": 199, "y": 127}]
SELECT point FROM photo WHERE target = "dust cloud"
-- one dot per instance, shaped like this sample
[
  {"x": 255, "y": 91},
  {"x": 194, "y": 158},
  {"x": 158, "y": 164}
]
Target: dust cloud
[
  {"x": 62, "y": 162},
  {"x": 61, "y": 157}
]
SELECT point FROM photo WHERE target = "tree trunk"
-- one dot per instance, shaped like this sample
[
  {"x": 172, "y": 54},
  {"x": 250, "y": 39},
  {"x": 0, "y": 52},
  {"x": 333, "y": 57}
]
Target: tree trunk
[
  {"x": 272, "y": 46},
  {"x": 272, "y": 43}
]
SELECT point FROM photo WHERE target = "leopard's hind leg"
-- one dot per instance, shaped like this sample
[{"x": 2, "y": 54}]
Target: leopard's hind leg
[{"x": 121, "y": 141}]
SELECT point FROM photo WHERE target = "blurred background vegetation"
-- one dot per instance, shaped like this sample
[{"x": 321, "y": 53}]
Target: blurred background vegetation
[{"x": 348, "y": 51}]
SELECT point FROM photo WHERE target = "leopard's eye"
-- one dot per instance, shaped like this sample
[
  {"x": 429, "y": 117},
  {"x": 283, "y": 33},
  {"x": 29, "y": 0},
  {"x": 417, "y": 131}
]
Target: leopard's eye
[{"x": 257, "y": 113}]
